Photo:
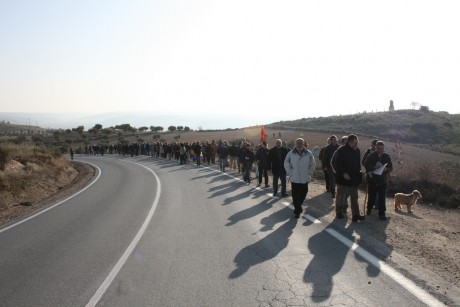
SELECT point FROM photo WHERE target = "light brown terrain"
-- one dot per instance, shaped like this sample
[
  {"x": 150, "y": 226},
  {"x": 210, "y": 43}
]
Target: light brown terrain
[{"x": 429, "y": 237}]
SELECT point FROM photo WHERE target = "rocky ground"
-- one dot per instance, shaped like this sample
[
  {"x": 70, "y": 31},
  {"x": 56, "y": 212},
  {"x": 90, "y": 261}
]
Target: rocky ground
[{"x": 430, "y": 236}]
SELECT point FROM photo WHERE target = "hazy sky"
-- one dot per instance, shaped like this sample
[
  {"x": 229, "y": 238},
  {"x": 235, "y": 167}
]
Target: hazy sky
[{"x": 290, "y": 58}]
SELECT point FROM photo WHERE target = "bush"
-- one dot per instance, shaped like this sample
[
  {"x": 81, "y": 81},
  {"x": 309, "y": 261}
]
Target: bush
[{"x": 5, "y": 156}]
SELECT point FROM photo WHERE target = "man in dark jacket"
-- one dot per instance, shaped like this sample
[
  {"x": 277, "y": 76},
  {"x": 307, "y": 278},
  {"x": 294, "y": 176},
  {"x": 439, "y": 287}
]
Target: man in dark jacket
[
  {"x": 223, "y": 155},
  {"x": 378, "y": 165},
  {"x": 347, "y": 167},
  {"x": 247, "y": 159},
  {"x": 276, "y": 157},
  {"x": 369, "y": 150},
  {"x": 326, "y": 163},
  {"x": 320, "y": 158},
  {"x": 197, "y": 150},
  {"x": 233, "y": 153},
  {"x": 262, "y": 163}
]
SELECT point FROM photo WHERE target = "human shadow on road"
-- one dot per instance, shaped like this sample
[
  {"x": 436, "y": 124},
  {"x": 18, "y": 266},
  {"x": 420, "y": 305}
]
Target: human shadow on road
[
  {"x": 250, "y": 212},
  {"x": 220, "y": 177},
  {"x": 328, "y": 259},
  {"x": 319, "y": 206},
  {"x": 276, "y": 217},
  {"x": 224, "y": 189},
  {"x": 263, "y": 250},
  {"x": 244, "y": 195},
  {"x": 373, "y": 238},
  {"x": 207, "y": 175}
]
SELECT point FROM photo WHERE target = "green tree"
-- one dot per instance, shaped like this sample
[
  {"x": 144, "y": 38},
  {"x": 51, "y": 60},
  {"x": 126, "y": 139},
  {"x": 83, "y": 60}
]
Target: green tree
[
  {"x": 171, "y": 128},
  {"x": 156, "y": 128},
  {"x": 126, "y": 128}
]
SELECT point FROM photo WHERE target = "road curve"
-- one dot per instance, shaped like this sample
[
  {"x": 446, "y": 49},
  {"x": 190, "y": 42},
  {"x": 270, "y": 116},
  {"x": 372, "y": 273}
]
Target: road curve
[
  {"x": 61, "y": 257},
  {"x": 212, "y": 241}
]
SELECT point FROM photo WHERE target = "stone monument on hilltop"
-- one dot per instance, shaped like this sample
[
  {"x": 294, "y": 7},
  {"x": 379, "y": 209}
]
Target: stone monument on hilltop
[{"x": 392, "y": 107}]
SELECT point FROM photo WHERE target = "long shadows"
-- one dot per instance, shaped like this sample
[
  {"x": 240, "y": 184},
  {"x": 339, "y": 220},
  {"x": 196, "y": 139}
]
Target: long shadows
[
  {"x": 251, "y": 211},
  {"x": 328, "y": 260},
  {"x": 265, "y": 249},
  {"x": 243, "y": 195}
]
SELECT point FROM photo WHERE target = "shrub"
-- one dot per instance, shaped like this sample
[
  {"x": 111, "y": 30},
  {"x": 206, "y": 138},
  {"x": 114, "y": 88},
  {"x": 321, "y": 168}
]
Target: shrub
[{"x": 5, "y": 156}]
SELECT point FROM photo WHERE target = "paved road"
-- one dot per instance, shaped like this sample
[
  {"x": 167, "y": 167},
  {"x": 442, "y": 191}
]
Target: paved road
[{"x": 212, "y": 241}]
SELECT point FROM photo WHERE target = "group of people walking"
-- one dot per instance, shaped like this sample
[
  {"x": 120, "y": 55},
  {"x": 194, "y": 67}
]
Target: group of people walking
[
  {"x": 342, "y": 166},
  {"x": 343, "y": 170}
]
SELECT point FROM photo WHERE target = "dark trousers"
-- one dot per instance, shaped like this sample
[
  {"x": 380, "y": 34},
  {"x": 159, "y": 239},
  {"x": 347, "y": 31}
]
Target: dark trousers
[
  {"x": 326, "y": 177},
  {"x": 299, "y": 193},
  {"x": 263, "y": 172},
  {"x": 331, "y": 176},
  {"x": 247, "y": 172},
  {"x": 281, "y": 176},
  {"x": 376, "y": 192}
]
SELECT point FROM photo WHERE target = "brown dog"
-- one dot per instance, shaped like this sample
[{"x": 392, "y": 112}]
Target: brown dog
[{"x": 407, "y": 199}]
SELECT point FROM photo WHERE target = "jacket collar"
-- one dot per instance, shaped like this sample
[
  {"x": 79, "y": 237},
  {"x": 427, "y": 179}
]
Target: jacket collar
[{"x": 304, "y": 151}]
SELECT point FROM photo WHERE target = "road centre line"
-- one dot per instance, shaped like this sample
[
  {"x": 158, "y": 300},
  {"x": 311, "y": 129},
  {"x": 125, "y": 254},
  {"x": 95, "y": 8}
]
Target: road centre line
[
  {"x": 57, "y": 204},
  {"x": 121, "y": 262},
  {"x": 409, "y": 285}
]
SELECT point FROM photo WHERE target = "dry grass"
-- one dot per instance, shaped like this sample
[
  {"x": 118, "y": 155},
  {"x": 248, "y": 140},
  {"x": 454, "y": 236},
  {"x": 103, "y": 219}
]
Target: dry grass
[{"x": 29, "y": 173}]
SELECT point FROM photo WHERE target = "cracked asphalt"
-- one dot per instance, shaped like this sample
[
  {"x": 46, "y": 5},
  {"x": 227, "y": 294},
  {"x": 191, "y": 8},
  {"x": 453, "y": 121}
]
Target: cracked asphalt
[
  {"x": 215, "y": 241},
  {"x": 212, "y": 241}
]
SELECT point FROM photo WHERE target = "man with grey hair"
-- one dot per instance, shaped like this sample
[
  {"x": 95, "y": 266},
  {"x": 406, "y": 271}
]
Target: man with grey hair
[{"x": 299, "y": 165}]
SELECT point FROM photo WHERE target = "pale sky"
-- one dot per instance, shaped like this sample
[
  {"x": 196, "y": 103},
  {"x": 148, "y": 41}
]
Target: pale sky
[{"x": 290, "y": 58}]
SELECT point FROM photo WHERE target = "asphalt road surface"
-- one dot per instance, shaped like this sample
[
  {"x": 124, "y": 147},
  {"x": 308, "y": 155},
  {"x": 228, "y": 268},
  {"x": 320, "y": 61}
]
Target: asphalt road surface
[{"x": 151, "y": 232}]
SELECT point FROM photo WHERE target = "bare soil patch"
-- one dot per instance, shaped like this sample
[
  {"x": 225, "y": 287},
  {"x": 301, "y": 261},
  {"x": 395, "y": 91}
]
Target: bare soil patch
[{"x": 37, "y": 194}]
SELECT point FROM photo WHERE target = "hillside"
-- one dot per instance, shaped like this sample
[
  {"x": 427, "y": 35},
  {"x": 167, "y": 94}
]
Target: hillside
[{"x": 436, "y": 130}]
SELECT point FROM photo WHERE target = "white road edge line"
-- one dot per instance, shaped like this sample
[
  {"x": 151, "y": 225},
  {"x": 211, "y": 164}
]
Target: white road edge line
[
  {"x": 408, "y": 284},
  {"x": 382, "y": 266},
  {"x": 57, "y": 204},
  {"x": 116, "y": 269},
  {"x": 386, "y": 269}
]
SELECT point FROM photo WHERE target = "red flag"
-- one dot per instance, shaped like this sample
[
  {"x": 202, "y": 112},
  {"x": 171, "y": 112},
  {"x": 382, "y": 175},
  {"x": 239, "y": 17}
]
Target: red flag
[{"x": 263, "y": 136}]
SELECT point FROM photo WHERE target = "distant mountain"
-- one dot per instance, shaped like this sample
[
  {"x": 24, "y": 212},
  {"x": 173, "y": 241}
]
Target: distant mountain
[{"x": 135, "y": 119}]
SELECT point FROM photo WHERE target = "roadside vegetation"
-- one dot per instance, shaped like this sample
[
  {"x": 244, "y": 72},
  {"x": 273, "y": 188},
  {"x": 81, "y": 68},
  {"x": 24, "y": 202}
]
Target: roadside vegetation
[{"x": 30, "y": 173}]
